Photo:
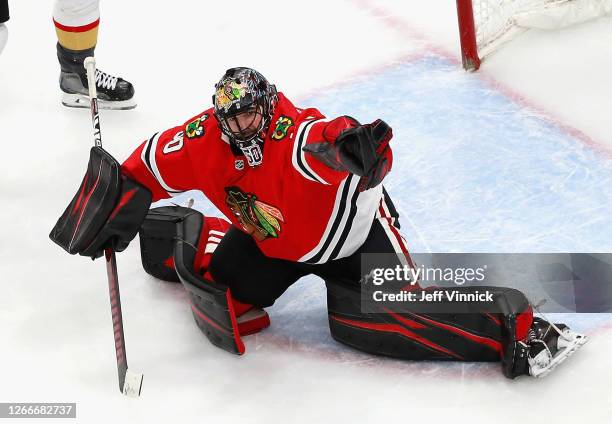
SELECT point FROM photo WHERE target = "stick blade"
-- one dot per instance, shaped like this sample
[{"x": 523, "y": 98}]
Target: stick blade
[{"x": 132, "y": 384}]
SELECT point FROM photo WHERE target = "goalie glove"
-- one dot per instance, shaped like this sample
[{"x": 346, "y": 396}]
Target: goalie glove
[{"x": 362, "y": 150}]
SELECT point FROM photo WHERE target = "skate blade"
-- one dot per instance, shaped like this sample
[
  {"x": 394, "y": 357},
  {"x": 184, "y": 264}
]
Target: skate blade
[
  {"x": 82, "y": 102},
  {"x": 576, "y": 344}
]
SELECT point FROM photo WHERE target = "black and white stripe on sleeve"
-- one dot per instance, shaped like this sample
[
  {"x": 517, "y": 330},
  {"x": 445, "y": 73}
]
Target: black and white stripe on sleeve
[
  {"x": 148, "y": 158},
  {"x": 299, "y": 156},
  {"x": 349, "y": 222}
]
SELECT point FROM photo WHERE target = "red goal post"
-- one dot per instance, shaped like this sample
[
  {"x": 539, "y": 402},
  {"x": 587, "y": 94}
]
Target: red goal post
[{"x": 485, "y": 25}]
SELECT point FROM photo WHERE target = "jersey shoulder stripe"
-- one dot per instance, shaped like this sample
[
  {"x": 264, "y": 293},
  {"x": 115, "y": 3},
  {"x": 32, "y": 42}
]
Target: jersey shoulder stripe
[{"x": 148, "y": 158}]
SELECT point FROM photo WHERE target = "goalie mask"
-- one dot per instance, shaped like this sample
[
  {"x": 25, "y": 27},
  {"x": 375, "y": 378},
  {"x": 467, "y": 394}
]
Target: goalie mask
[{"x": 244, "y": 103}]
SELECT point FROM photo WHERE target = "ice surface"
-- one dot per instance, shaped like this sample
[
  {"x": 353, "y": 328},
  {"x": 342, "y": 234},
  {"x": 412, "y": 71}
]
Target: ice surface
[{"x": 478, "y": 168}]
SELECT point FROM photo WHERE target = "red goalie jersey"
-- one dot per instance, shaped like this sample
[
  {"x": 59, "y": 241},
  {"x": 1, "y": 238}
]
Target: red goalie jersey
[{"x": 294, "y": 206}]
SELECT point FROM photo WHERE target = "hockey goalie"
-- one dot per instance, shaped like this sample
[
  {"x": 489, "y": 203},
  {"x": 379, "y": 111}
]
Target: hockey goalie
[{"x": 302, "y": 194}]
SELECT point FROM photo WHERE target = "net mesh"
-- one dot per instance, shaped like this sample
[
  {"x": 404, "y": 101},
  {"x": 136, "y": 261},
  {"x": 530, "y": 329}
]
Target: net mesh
[{"x": 498, "y": 21}]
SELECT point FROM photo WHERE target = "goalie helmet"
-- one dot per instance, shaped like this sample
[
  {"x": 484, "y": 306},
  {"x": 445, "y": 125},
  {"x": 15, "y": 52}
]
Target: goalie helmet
[{"x": 244, "y": 103}]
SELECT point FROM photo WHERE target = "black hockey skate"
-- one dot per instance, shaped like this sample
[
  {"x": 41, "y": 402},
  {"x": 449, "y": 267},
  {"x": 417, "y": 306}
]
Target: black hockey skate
[
  {"x": 113, "y": 92},
  {"x": 548, "y": 345}
]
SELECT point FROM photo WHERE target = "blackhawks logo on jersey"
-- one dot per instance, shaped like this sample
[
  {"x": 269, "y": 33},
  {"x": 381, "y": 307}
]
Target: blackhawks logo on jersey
[
  {"x": 259, "y": 219},
  {"x": 282, "y": 127},
  {"x": 194, "y": 129}
]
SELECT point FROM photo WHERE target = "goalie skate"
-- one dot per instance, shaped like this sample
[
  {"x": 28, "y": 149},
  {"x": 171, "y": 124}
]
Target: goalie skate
[{"x": 554, "y": 350}]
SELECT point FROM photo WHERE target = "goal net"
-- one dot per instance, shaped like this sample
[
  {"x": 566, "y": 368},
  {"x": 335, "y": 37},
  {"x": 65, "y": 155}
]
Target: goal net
[{"x": 485, "y": 25}]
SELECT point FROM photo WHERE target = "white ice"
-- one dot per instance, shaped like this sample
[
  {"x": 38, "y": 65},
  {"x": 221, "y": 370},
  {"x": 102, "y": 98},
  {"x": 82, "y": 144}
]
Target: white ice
[{"x": 513, "y": 158}]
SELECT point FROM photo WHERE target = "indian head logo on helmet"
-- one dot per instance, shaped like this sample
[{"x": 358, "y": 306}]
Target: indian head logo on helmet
[
  {"x": 230, "y": 94},
  {"x": 244, "y": 103}
]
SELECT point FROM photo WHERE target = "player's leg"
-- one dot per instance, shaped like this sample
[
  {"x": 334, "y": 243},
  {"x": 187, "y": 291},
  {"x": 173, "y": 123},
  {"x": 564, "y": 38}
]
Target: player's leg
[
  {"x": 402, "y": 335},
  {"x": 4, "y": 16},
  {"x": 472, "y": 336},
  {"x": 158, "y": 234},
  {"x": 252, "y": 277},
  {"x": 76, "y": 24}
]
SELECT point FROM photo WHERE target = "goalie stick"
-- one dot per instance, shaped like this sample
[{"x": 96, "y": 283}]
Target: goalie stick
[{"x": 130, "y": 383}]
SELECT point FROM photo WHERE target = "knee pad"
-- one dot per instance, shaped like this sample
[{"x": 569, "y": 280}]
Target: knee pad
[
  {"x": 157, "y": 235},
  {"x": 157, "y": 240},
  {"x": 222, "y": 319}
]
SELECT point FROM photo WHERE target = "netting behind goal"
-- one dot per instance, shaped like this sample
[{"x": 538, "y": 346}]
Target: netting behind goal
[{"x": 485, "y": 25}]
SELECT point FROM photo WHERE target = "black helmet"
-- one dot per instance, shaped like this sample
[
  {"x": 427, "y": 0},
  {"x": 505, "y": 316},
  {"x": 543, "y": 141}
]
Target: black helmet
[{"x": 244, "y": 90}]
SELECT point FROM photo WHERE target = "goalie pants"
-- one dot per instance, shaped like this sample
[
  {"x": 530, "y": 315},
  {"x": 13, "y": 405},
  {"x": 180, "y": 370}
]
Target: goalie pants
[
  {"x": 476, "y": 336},
  {"x": 257, "y": 279}
]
